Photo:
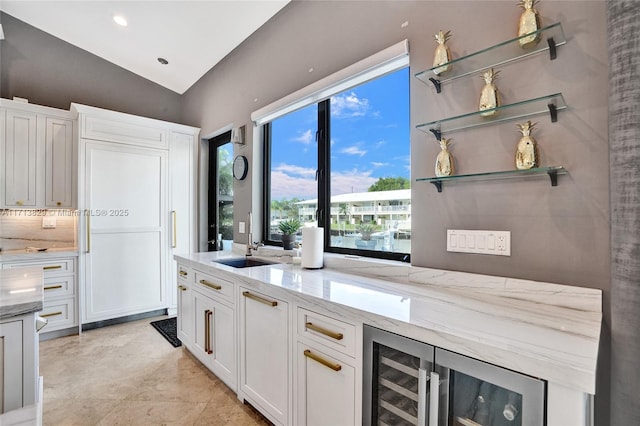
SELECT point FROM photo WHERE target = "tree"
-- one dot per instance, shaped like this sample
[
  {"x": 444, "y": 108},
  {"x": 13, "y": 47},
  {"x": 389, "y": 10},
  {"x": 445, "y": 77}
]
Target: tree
[{"x": 390, "y": 183}]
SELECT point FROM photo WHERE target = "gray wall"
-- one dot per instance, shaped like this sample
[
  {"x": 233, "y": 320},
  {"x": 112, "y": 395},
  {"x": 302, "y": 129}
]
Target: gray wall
[
  {"x": 558, "y": 234},
  {"x": 624, "y": 137},
  {"x": 51, "y": 72}
]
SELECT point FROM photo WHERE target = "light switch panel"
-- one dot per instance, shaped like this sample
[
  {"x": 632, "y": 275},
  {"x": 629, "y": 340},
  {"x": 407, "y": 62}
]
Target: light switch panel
[
  {"x": 481, "y": 242},
  {"x": 48, "y": 222},
  {"x": 241, "y": 226}
]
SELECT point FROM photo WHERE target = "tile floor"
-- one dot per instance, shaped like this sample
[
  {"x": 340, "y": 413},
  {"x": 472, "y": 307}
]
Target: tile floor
[{"x": 128, "y": 374}]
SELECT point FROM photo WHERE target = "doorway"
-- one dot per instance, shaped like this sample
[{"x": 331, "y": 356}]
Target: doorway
[{"x": 220, "y": 211}]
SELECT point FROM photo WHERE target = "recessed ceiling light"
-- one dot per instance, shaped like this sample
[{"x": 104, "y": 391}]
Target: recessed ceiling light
[
  {"x": 163, "y": 61},
  {"x": 118, "y": 19}
]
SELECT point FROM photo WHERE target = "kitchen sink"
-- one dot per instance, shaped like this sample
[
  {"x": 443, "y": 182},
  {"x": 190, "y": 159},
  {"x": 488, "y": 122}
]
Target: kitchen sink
[{"x": 243, "y": 262}]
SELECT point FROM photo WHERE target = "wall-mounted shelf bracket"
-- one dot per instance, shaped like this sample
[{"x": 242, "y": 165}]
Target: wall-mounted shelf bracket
[
  {"x": 437, "y": 184},
  {"x": 436, "y": 84},
  {"x": 552, "y": 48},
  {"x": 437, "y": 133},
  {"x": 553, "y": 112},
  {"x": 553, "y": 175}
]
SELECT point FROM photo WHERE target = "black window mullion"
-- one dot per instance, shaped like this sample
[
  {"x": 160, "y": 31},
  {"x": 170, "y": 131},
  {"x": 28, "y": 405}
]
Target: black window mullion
[
  {"x": 324, "y": 167},
  {"x": 266, "y": 185}
]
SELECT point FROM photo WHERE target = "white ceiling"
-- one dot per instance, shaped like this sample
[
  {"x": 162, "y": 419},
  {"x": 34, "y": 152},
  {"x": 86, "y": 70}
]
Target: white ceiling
[{"x": 192, "y": 35}]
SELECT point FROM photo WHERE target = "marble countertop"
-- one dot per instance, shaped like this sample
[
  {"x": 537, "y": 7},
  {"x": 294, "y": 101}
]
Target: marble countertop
[
  {"x": 23, "y": 255},
  {"x": 21, "y": 291},
  {"x": 545, "y": 330}
]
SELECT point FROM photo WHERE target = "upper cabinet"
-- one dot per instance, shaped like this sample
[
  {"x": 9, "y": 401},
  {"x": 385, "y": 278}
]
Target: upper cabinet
[{"x": 38, "y": 156}]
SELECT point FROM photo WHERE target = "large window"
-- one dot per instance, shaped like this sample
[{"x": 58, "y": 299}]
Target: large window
[{"x": 343, "y": 163}]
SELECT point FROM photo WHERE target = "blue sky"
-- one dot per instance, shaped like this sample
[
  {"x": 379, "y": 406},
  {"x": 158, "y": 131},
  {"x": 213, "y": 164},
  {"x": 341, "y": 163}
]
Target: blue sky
[{"x": 369, "y": 140}]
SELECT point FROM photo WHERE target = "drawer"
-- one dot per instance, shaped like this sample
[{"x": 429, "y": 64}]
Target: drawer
[
  {"x": 217, "y": 288},
  {"x": 185, "y": 275},
  {"x": 60, "y": 314},
  {"x": 333, "y": 333},
  {"x": 50, "y": 267},
  {"x": 55, "y": 287}
]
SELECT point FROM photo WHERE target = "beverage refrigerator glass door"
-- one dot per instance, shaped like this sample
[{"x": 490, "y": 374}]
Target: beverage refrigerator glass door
[{"x": 407, "y": 382}]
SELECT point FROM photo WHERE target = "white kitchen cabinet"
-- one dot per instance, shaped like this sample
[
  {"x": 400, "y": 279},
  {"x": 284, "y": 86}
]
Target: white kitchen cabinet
[
  {"x": 214, "y": 342},
  {"x": 18, "y": 362},
  {"x": 60, "y": 306},
  {"x": 37, "y": 149},
  {"x": 136, "y": 195},
  {"x": 182, "y": 220},
  {"x": 328, "y": 373},
  {"x": 264, "y": 354},
  {"x": 185, "y": 316}
]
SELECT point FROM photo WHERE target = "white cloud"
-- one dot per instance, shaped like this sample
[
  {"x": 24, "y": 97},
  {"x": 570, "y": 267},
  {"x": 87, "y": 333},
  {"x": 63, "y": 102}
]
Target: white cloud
[
  {"x": 353, "y": 150},
  {"x": 292, "y": 169},
  {"x": 351, "y": 181},
  {"x": 284, "y": 185},
  {"x": 378, "y": 164},
  {"x": 305, "y": 137},
  {"x": 349, "y": 105}
]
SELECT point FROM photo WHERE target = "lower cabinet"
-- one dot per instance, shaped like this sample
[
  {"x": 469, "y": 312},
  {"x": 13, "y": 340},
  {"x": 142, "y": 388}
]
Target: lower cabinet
[
  {"x": 264, "y": 354},
  {"x": 184, "y": 300},
  {"x": 326, "y": 388}
]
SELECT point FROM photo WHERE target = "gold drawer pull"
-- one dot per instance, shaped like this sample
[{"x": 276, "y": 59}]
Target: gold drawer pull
[
  {"x": 53, "y": 287},
  {"x": 332, "y": 334},
  {"x": 260, "y": 299},
  {"x": 211, "y": 285},
  {"x": 47, "y": 268},
  {"x": 318, "y": 358},
  {"x": 183, "y": 273},
  {"x": 207, "y": 331},
  {"x": 183, "y": 288},
  {"x": 19, "y": 203},
  {"x": 52, "y": 314}
]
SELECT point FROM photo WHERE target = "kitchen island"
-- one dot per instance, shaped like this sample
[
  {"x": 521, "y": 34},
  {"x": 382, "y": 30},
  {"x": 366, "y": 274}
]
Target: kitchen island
[
  {"x": 21, "y": 298},
  {"x": 543, "y": 330}
]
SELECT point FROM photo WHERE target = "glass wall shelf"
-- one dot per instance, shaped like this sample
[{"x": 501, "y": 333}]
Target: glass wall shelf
[
  {"x": 552, "y": 172},
  {"x": 500, "y": 54},
  {"x": 549, "y": 104}
]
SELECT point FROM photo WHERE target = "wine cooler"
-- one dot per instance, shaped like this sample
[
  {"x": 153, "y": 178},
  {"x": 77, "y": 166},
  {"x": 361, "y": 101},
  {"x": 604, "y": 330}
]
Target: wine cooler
[{"x": 406, "y": 382}]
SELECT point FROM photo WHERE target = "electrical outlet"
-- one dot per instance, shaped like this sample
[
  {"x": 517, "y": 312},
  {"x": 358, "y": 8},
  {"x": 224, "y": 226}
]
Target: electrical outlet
[
  {"x": 241, "y": 226},
  {"x": 48, "y": 222},
  {"x": 480, "y": 242}
]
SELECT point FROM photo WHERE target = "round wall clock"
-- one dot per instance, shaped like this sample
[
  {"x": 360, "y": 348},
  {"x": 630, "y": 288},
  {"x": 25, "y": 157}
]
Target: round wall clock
[{"x": 240, "y": 167}]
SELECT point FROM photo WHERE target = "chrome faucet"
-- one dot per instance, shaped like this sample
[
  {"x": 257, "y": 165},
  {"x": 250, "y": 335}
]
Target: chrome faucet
[{"x": 250, "y": 244}]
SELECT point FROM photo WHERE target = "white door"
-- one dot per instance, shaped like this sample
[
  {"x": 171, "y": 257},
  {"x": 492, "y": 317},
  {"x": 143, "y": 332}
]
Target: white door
[
  {"x": 58, "y": 162},
  {"x": 10, "y": 366},
  {"x": 264, "y": 353},
  {"x": 125, "y": 269},
  {"x": 185, "y": 319},
  {"x": 223, "y": 344},
  {"x": 19, "y": 154},
  {"x": 203, "y": 312}
]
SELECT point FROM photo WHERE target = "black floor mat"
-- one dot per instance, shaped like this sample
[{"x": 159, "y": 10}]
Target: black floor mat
[{"x": 169, "y": 329}]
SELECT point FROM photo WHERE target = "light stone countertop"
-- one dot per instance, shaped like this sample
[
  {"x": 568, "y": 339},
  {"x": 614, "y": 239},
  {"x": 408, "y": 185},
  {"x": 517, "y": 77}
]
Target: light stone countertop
[
  {"x": 49, "y": 254},
  {"x": 21, "y": 291},
  {"x": 545, "y": 330}
]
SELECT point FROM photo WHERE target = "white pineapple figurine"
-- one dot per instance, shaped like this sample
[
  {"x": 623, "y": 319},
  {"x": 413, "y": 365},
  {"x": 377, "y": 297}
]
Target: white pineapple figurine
[
  {"x": 529, "y": 23},
  {"x": 526, "y": 151},
  {"x": 443, "y": 54},
  {"x": 489, "y": 97},
  {"x": 444, "y": 161}
]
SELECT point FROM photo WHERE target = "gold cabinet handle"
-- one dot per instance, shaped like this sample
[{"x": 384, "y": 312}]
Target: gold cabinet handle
[
  {"x": 19, "y": 203},
  {"x": 259, "y": 299},
  {"x": 207, "y": 331},
  {"x": 211, "y": 285},
  {"x": 174, "y": 238},
  {"x": 329, "y": 333},
  {"x": 52, "y": 314},
  {"x": 53, "y": 287},
  {"x": 183, "y": 273},
  {"x": 88, "y": 223},
  {"x": 183, "y": 288},
  {"x": 58, "y": 203},
  {"x": 47, "y": 268},
  {"x": 326, "y": 363}
]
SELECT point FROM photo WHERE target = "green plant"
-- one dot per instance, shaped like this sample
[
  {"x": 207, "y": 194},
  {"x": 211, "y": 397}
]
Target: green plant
[
  {"x": 289, "y": 226},
  {"x": 366, "y": 229}
]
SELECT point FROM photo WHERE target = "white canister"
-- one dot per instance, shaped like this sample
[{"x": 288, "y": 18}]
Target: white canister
[{"x": 312, "y": 247}]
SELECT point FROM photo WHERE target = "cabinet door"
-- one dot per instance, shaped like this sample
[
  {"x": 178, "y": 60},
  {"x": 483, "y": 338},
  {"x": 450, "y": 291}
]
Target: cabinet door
[
  {"x": 327, "y": 389},
  {"x": 10, "y": 366},
  {"x": 186, "y": 316},
  {"x": 181, "y": 201},
  {"x": 124, "y": 231},
  {"x": 59, "y": 166},
  {"x": 214, "y": 338},
  {"x": 19, "y": 154},
  {"x": 264, "y": 358}
]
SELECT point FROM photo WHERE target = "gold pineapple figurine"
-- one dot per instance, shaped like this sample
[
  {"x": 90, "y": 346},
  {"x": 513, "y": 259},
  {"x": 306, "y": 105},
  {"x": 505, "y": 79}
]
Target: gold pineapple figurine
[
  {"x": 443, "y": 54},
  {"x": 529, "y": 23},
  {"x": 444, "y": 161},
  {"x": 526, "y": 151},
  {"x": 489, "y": 97}
]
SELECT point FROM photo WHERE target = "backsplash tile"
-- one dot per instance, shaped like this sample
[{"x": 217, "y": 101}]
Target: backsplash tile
[{"x": 18, "y": 231}]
